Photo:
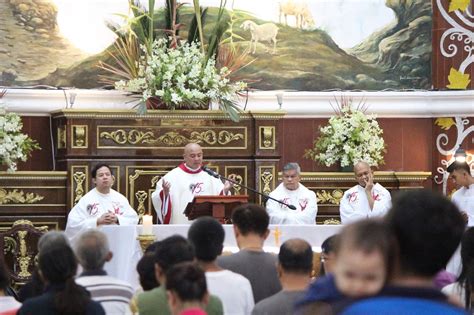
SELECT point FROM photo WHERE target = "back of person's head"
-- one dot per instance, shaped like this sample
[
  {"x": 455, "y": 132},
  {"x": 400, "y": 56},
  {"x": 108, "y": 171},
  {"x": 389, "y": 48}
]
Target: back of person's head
[
  {"x": 459, "y": 166},
  {"x": 251, "y": 218},
  {"x": 329, "y": 244},
  {"x": 207, "y": 235},
  {"x": 428, "y": 228},
  {"x": 52, "y": 239},
  {"x": 146, "y": 272},
  {"x": 92, "y": 249},
  {"x": 466, "y": 278},
  {"x": 173, "y": 250},
  {"x": 296, "y": 256},
  {"x": 187, "y": 283},
  {"x": 327, "y": 255},
  {"x": 58, "y": 267},
  {"x": 4, "y": 277}
]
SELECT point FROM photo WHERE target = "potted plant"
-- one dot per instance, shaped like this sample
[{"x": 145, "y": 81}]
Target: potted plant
[
  {"x": 14, "y": 145},
  {"x": 350, "y": 136},
  {"x": 168, "y": 72}
]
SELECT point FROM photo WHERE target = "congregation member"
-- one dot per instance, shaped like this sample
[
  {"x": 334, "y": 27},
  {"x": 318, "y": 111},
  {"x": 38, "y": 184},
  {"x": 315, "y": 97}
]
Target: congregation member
[
  {"x": 35, "y": 286},
  {"x": 292, "y": 192},
  {"x": 366, "y": 199},
  {"x": 207, "y": 235},
  {"x": 327, "y": 255},
  {"x": 62, "y": 295},
  {"x": 179, "y": 186},
  {"x": 295, "y": 263},
  {"x": 428, "y": 228},
  {"x": 168, "y": 253},
  {"x": 250, "y": 231},
  {"x": 363, "y": 260},
  {"x": 100, "y": 206},
  {"x": 464, "y": 196},
  {"x": 187, "y": 289},
  {"x": 462, "y": 289},
  {"x": 92, "y": 252},
  {"x": 8, "y": 304}
]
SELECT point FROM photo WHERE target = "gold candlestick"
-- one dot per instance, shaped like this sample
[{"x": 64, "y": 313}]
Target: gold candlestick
[{"x": 146, "y": 240}]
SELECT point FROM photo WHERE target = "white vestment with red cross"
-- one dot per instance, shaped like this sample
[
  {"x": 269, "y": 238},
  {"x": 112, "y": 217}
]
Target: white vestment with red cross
[
  {"x": 92, "y": 205},
  {"x": 185, "y": 184},
  {"x": 302, "y": 198},
  {"x": 355, "y": 205}
]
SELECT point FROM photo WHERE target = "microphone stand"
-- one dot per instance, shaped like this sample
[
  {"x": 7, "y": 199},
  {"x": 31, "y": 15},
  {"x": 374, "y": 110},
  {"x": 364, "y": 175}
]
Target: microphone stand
[{"x": 219, "y": 176}]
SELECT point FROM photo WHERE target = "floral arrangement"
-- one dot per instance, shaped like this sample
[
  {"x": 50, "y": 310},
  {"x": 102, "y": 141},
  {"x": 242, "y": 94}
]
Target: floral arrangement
[
  {"x": 349, "y": 137},
  {"x": 14, "y": 145},
  {"x": 178, "y": 77}
]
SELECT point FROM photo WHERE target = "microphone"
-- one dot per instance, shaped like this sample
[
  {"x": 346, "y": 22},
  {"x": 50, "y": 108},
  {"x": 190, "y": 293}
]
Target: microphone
[{"x": 217, "y": 175}]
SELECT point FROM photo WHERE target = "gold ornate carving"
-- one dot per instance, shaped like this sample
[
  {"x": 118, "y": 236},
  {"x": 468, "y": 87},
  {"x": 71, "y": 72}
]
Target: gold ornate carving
[
  {"x": 10, "y": 245},
  {"x": 79, "y": 136},
  {"x": 23, "y": 259},
  {"x": 331, "y": 222},
  {"x": 267, "y": 138},
  {"x": 334, "y": 197},
  {"x": 154, "y": 180},
  {"x": 141, "y": 197},
  {"x": 18, "y": 197},
  {"x": 171, "y": 138},
  {"x": 79, "y": 178},
  {"x": 266, "y": 178},
  {"x": 61, "y": 133},
  {"x": 239, "y": 180}
]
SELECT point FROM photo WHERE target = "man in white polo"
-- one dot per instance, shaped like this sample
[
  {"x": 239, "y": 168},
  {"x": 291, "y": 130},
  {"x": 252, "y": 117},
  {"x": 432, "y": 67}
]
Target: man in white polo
[
  {"x": 292, "y": 192},
  {"x": 366, "y": 199}
]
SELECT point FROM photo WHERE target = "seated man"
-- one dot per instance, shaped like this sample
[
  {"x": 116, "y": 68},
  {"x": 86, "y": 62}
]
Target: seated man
[
  {"x": 292, "y": 192},
  {"x": 251, "y": 231},
  {"x": 100, "y": 206},
  {"x": 179, "y": 186},
  {"x": 92, "y": 252},
  {"x": 365, "y": 200}
]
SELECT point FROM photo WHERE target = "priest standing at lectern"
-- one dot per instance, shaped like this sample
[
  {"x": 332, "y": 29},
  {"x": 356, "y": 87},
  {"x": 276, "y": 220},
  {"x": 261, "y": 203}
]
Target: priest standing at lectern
[{"x": 179, "y": 186}]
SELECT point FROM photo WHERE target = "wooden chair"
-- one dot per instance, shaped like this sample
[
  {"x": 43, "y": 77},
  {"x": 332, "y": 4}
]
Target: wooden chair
[{"x": 19, "y": 245}]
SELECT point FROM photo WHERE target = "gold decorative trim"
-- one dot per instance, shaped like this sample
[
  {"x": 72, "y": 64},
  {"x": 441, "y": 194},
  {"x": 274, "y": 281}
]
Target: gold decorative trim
[
  {"x": 30, "y": 223},
  {"x": 18, "y": 197},
  {"x": 325, "y": 197},
  {"x": 24, "y": 259},
  {"x": 61, "y": 137},
  {"x": 79, "y": 137},
  {"x": 163, "y": 114},
  {"x": 136, "y": 138},
  {"x": 34, "y": 175},
  {"x": 116, "y": 172},
  {"x": 4, "y": 226},
  {"x": 378, "y": 176},
  {"x": 138, "y": 171},
  {"x": 266, "y": 138},
  {"x": 266, "y": 182},
  {"x": 240, "y": 177},
  {"x": 331, "y": 221},
  {"x": 141, "y": 196},
  {"x": 78, "y": 189}
]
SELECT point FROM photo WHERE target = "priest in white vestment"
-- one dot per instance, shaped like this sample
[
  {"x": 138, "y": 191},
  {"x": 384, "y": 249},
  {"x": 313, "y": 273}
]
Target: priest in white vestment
[
  {"x": 460, "y": 173},
  {"x": 365, "y": 200},
  {"x": 179, "y": 186},
  {"x": 100, "y": 206},
  {"x": 292, "y": 192}
]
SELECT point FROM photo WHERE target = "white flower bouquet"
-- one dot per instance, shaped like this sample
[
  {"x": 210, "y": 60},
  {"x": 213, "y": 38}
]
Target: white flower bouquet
[
  {"x": 14, "y": 145},
  {"x": 349, "y": 137},
  {"x": 180, "y": 77}
]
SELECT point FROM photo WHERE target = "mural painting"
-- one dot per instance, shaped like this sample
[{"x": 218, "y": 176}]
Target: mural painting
[{"x": 312, "y": 45}]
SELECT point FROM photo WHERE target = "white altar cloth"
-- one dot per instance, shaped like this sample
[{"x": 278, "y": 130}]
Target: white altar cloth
[{"x": 127, "y": 252}]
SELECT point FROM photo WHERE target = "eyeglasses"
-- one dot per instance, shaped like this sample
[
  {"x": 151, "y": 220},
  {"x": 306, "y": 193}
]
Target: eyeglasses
[{"x": 324, "y": 258}]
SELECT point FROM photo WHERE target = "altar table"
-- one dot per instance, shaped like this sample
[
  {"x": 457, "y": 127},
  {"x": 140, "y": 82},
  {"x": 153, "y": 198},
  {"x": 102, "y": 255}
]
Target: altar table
[{"x": 127, "y": 251}]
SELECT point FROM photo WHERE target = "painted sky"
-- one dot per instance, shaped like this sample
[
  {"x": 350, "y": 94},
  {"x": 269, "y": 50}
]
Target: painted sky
[{"x": 347, "y": 21}]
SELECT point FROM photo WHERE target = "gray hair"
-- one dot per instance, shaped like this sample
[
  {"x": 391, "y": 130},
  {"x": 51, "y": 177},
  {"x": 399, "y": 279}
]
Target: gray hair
[
  {"x": 52, "y": 239},
  {"x": 292, "y": 166},
  {"x": 92, "y": 249}
]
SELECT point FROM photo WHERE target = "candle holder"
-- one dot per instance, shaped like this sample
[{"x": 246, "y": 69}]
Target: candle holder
[{"x": 146, "y": 240}]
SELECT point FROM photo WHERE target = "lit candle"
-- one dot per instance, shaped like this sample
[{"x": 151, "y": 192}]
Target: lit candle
[{"x": 147, "y": 224}]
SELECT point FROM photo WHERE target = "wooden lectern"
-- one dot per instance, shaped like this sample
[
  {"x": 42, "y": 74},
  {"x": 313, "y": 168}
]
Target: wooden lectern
[{"x": 219, "y": 207}]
